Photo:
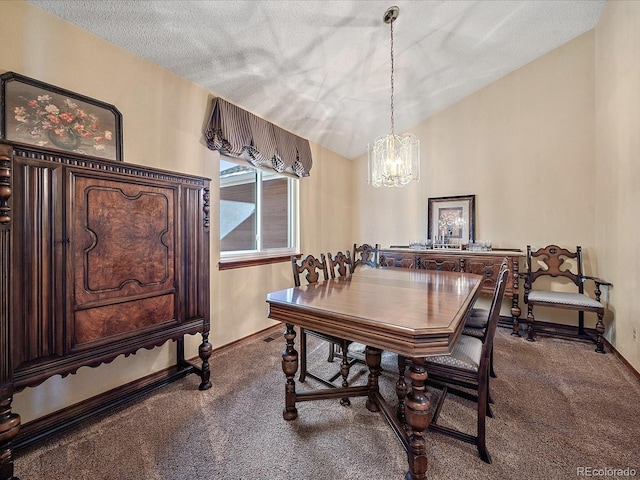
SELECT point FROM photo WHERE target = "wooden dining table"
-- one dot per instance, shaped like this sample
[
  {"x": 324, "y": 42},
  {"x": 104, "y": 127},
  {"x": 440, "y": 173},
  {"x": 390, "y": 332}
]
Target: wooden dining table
[{"x": 413, "y": 313}]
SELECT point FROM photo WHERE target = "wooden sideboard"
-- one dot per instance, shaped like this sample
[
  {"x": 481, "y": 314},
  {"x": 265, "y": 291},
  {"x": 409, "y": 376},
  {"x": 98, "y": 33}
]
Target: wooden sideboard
[
  {"x": 99, "y": 258},
  {"x": 486, "y": 264}
]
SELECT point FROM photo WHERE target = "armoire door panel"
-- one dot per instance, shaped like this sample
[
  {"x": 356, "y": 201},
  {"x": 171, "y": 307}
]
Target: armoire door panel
[
  {"x": 125, "y": 238},
  {"x": 122, "y": 319}
]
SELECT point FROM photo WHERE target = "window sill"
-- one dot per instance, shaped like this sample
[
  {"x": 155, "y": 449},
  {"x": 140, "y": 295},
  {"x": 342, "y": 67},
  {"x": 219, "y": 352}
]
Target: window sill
[{"x": 254, "y": 262}]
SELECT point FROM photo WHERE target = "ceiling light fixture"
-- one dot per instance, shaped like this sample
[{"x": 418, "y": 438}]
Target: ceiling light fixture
[{"x": 394, "y": 160}]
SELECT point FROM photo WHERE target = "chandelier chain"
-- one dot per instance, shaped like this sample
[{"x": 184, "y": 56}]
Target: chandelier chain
[{"x": 392, "y": 71}]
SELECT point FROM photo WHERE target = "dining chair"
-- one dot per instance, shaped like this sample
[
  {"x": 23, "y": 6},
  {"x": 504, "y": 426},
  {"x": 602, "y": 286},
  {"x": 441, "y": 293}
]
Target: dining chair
[
  {"x": 478, "y": 319},
  {"x": 365, "y": 254},
  {"x": 468, "y": 367},
  {"x": 313, "y": 268},
  {"x": 554, "y": 261},
  {"x": 341, "y": 266}
]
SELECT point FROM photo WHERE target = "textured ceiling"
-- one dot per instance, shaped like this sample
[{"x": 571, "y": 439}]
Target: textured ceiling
[{"x": 321, "y": 69}]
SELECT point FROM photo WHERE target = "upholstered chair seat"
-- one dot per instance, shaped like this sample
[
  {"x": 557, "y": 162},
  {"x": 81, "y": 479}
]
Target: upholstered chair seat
[
  {"x": 563, "y": 298},
  {"x": 466, "y": 354}
]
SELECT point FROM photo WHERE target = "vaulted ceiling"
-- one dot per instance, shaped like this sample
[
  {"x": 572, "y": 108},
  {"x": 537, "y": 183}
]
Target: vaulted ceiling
[{"x": 322, "y": 69}]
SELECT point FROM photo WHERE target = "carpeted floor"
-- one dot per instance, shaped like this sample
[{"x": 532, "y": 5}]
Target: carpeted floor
[{"x": 558, "y": 407}]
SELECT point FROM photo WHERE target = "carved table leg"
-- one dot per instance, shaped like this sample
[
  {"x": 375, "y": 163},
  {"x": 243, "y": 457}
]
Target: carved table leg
[
  {"x": 9, "y": 427},
  {"x": 599, "y": 333},
  {"x": 373, "y": 357},
  {"x": 599, "y": 323},
  {"x": 418, "y": 419},
  {"x": 344, "y": 370},
  {"x": 290, "y": 367},
  {"x": 204, "y": 352},
  {"x": 530, "y": 320},
  {"x": 515, "y": 308},
  {"x": 401, "y": 389}
]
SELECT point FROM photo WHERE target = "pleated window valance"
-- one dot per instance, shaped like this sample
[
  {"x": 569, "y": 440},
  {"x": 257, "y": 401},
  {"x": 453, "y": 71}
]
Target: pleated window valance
[{"x": 238, "y": 133}]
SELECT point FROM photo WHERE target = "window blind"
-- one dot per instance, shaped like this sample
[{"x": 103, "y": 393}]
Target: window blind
[{"x": 238, "y": 133}]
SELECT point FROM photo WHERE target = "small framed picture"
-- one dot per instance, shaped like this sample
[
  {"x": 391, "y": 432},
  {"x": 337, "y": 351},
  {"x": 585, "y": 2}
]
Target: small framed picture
[
  {"x": 36, "y": 113},
  {"x": 451, "y": 220}
]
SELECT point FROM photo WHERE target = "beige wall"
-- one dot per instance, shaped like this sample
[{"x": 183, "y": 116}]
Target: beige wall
[
  {"x": 551, "y": 153},
  {"x": 325, "y": 226},
  {"x": 524, "y": 146},
  {"x": 618, "y": 169},
  {"x": 163, "y": 118}
]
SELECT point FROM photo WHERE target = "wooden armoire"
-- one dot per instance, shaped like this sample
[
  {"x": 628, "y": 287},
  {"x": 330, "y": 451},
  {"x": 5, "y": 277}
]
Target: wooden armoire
[{"x": 99, "y": 258}]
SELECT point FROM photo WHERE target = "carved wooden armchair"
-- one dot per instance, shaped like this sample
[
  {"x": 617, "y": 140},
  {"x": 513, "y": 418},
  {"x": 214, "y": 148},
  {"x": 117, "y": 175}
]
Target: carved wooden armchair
[
  {"x": 553, "y": 261},
  {"x": 314, "y": 267},
  {"x": 365, "y": 254}
]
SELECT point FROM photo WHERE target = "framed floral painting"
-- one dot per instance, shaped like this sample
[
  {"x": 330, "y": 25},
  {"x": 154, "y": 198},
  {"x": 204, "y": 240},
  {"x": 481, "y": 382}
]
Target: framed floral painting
[
  {"x": 36, "y": 113},
  {"x": 451, "y": 220}
]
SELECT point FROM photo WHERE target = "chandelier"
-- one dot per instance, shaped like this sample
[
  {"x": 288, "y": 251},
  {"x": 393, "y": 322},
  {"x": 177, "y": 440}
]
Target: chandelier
[{"x": 394, "y": 160}]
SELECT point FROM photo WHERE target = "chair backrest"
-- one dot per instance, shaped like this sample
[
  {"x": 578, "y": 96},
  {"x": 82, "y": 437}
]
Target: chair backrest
[
  {"x": 340, "y": 264},
  {"x": 494, "y": 313},
  {"x": 503, "y": 266},
  {"x": 550, "y": 261},
  {"x": 312, "y": 266},
  {"x": 365, "y": 254}
]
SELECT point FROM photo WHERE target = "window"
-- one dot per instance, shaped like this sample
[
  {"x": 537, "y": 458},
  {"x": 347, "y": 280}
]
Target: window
[{"x": 258, "y": 212}]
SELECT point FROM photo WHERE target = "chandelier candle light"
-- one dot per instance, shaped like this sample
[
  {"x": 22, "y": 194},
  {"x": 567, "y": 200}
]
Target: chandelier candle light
[{"x": 394, "y": 160}]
